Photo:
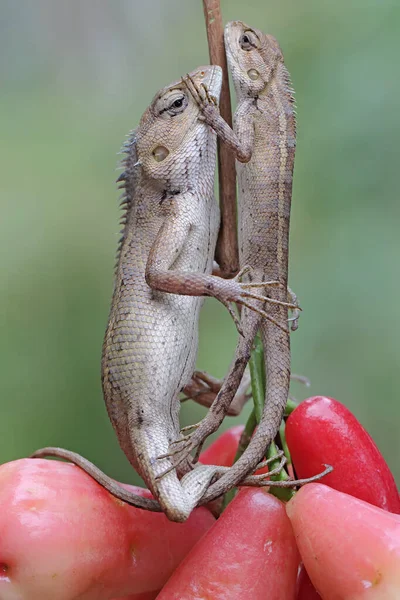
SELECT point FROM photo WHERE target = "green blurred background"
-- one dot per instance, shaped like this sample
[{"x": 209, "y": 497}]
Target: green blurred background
[{"x": 75, "y": 78}]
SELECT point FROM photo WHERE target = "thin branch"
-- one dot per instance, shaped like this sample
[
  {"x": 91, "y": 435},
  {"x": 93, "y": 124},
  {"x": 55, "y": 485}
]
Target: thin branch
[{"x": 227, "y": 246}]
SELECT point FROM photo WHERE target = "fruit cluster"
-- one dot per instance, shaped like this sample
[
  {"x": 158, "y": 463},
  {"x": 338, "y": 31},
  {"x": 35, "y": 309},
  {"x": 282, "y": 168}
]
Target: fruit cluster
[{"x": 63, "y": 536}]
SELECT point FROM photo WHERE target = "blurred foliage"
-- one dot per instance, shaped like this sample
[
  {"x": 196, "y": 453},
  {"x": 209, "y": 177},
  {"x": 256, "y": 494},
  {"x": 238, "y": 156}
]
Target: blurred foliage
[{"x": 75, "y": 78}]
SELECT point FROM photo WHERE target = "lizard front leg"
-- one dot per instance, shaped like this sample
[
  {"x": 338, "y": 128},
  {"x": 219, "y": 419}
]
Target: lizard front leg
[
  {"x": 241, "y": 141},
  {"x": 160, "y": 274}
]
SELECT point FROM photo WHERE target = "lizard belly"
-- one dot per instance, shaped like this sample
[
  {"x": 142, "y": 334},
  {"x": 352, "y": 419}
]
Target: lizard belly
[{"x": 149, "y": 355}]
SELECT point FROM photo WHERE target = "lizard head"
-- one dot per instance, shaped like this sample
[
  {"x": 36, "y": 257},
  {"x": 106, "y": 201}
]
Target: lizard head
[
  {"x": 171, "y": 128},
  {"x": 253, "y": 58}
]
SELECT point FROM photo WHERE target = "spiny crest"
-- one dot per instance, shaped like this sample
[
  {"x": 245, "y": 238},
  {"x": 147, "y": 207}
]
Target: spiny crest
[{"x": 127, "y": 182}]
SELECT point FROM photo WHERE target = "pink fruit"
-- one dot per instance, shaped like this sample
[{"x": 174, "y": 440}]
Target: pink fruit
[
  {"x": 351, "y": 549},
  {"x": 305, "y": 589},
  {"x": 250, "y": 552},
  {"x": 223, "y": 450},
  {"x": 144, "y": 596},
  {"x": 62, "y": 536}
]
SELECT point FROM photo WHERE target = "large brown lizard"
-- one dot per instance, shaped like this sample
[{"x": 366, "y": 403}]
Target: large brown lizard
[
  {"x": 264, "y": 140},
  {"x": 164, "y": 266}
]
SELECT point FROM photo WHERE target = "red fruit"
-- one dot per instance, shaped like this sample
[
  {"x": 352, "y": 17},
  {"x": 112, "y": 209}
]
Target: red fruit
[
  {"x": 223, "y": 450},
  {"x": 144, "y": 596},
  {"x": 351, "y": 549},
  {"x": 63, "y": 536},
  {"x": 322, "y": 430},
  {"x": 305, "y": 588},
  {"x": 250, "y": 552}
]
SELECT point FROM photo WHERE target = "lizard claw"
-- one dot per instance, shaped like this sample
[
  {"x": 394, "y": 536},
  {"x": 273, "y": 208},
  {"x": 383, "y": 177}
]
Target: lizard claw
[
  {"x": 188, "y": 428},
  {"x": 263, "y": 314},
  {"x": 171, "y": 468},
  {"x": 210, "y": 99},
  {"x": 264, "y": 478},
  {"x": 200, "y": 94},
  {"x": 300, "y": 379},
  {"x": 181, "y": 445},
  {"x": 239, "y": 276},
  {"x": 267, "y": 299},
  {"x": 295, "y": 319},
  {"x": 175, "y": 464},
  {"x": 251, "y": 284},
  {"x": 268, "y": 461},
  {"x": 235, "y": 318}
]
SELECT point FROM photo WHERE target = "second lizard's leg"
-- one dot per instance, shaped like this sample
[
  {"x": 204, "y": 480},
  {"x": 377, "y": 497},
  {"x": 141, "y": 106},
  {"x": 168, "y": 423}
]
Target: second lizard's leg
[{"x": 203, "y": 389}]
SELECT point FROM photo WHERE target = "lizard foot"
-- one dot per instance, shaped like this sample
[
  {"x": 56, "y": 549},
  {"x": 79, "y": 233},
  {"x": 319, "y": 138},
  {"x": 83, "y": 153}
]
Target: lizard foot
[
  {"x": 203, "y": 388},
  {"x": 187, "y": 428},
  {"x": 268, "y": 461},
  {"x": 200, "y": 93},
  {"x": 296, "y": 312},
  {"x": 291, "y": 304},
  {"x": 180, "y": 450},
  {"x": 240, "y": 292},
  {"x": 263, "y": 480},
  {"x": 263, "y": 313},
  {"x": 300, "y": 379},
  {"x": 179, "y": 454},
  {"x": 200, "y": 388}
]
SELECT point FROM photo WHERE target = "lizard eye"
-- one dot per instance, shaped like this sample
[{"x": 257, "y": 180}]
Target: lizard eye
[
  {"x": 171, "y": 103},
  {"x": 177, "y": 105},
  {"x": 248, "y": 40}
]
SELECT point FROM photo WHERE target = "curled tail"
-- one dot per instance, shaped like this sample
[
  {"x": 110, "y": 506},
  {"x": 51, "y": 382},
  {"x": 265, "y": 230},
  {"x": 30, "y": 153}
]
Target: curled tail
[
  {"x": 176, "y": 498},
  {"x": 277, "y": 358},
  {"x": 104, "y": 480},
  {"x": 223, "y": 400}
]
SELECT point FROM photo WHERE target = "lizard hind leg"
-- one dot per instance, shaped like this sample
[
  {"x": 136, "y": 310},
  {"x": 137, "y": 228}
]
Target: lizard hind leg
[{"x": 203, "y": 389}]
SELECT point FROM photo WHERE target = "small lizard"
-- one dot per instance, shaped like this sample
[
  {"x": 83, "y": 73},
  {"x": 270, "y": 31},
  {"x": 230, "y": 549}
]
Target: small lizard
[
  {"x": 164, "y": 266},
  {"x": 264, "y": 141}
]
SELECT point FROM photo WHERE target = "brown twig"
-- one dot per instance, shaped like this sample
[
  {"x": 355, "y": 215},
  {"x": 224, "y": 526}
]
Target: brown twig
[{"x": 227, "y": 246}]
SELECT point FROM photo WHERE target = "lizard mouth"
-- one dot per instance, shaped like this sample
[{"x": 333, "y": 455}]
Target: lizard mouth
[{"x": 231, "y": 33}]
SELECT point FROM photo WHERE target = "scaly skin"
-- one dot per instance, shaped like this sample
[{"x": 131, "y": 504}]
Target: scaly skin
[
  {"x": 164, "y": 266},
  {"x": 263, "y": 140}
]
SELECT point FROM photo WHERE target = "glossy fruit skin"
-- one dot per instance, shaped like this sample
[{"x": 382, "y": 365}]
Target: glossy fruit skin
[
  {"x": 250, "y": 552},
  {"x": 144, "y": 596},
  {"x": 322, "y": 431},
  {"x": 223, "y": 450},
  {"x": 305, "y": 588},
  {"x": 350, "y": 548},
  {"x": 63, "y": 536}
]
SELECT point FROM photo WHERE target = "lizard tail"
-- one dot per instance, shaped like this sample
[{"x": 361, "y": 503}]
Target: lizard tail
[
  {"x": 277, "y": 358},
  {"x": 220, "y": 406},
  {"x": 176, "y": 498},
  {"x": 104, "y": 480}
]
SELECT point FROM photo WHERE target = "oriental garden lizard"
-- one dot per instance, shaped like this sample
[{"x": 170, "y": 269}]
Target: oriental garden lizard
[
  {"x": 164, "y": 267},
  {"x": 264, "y": 140}
]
